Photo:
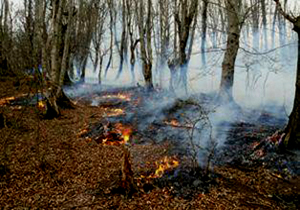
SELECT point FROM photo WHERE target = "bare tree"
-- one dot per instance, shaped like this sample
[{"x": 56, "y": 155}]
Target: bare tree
[
  {"x": 204, "y": 30},
  {"x": 292, "y": 130},
  {"x": 264, "y": 22},
  {"x": 145, "y": 25},
  {"x": 255, "y": 13},
  {"x": 130, "y": 6},
  {"x": 184, "y": 14},
  {"x": 236, "y": 19},
  {"x": 83, "y": 34},
  {"x": 112, "y": 15},
  {"x": 100, "y": 12},
  {"x": 5, "y": 38},
  {"x": 123, "y": 47},
  {"x": 59, "y": 37},
  {"x": 164, "y": 23}
]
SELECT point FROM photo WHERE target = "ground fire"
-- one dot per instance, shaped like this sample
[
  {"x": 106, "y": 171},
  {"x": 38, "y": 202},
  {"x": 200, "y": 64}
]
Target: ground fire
[
  {"x": 166, "y": 164},
  {"x": 108, "y": 134},
  {"x": 7, "y": 100}
]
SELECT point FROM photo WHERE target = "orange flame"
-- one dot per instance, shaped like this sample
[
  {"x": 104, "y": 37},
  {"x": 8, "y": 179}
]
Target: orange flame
[
  {"x": 41, "y": 105},
  {"x": 7, "y": 100},
  {"x": 122, "y": 96},
  {"x": 173, "y": 122},
  {"x": 164, "y": 165},
  {"x": 120, "y": 134},
  {"x": 114, "y": 112},
  {"x": 126, "y": 134},
  {"x": 82, "y": 132},
  {"x": 124, "y": 131}
]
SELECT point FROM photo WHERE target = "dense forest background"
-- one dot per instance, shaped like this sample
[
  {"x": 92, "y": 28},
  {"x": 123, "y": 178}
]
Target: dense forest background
[{"x": 105, "y": 45}]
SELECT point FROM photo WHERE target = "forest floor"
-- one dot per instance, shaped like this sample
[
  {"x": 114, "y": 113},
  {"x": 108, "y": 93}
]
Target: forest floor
[{"x": 46, "y": 164}]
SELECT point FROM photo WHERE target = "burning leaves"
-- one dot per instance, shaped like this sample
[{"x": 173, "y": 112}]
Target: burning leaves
[
  {"x": 121, "y": 96},
  {"x": 119, "y": 134},
  {"x": 172, "y": 122},
  {"x": 41, "y": 105},
  {"x": 5, "y": 101},
  {"x": 114, "y": 112},
  {"x": 108, "y": 134},
  {"x": 109, "y": 100},
  {"x": 21, "y": 100},
  {"x": 166, "y": 164}
]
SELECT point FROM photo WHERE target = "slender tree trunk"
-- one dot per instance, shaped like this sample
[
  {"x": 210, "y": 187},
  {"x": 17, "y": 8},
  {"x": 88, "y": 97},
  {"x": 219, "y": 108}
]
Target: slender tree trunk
[
  {"x": 111, "y": 14},
  {"x": 292, "y": 138},
  {"x": 57, "y": 98},
  {"x": 204, "y": 31},
  {"x": 123, "y": 47},
  {"x": 273, "y": 28},
  {"x": 145, "y": 29},
  {"x": 255, "y": 23},
  {"x": 184, "y": 20},
  {"x": 292, "y": 130},
  {"x": 264, "y": 23},
  {"x": 233, "y": 37}
]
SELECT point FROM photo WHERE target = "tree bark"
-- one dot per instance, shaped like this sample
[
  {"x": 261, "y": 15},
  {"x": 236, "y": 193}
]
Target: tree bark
[
  {"x": 233, "y": 37},
  {"x": 123, "y": 47},
  {"x": 184, "y": 19},
  {"x": 292, "y": 130},
  {"x": 264, "y": 22},
  {"x": 145, "y": 31},
  {"x": 56, "y": 98},
  {"x": 292, "y": 138},
  {"x": 204, "y": 30}
]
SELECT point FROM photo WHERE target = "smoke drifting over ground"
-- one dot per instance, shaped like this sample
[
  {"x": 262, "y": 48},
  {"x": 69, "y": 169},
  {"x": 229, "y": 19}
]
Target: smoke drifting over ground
[{"x": 264, "y": 84}]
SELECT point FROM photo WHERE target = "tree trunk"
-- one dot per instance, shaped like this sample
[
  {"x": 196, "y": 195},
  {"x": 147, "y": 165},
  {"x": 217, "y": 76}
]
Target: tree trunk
[
  {"x": 112, "y": 20},
  {"x": 204, "y": 31},
  {"x": 292, "y": 138},
  {"x": 292, "y": 130},
  {"x": 56, "y": 98},
  {"x": 234, "y": 30},
  {"x": 264, "y": 22},
  {"x": 184, "y": 20},
  {"x": 127, "y": 182},
  {"x": 145, "y": 41},
  {"x": 123, "y": 47}
]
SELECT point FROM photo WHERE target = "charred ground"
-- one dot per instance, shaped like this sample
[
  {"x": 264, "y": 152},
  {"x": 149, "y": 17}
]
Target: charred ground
[{"x": 65, "y": 162}]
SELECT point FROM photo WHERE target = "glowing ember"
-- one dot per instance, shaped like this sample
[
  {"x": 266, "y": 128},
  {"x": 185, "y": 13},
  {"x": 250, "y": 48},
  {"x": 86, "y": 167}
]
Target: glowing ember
[
  {"x": 41, "y": 105},
  {"x": 173, "y": 122},
  {"x": 114, "y": 112},
  {"x": 166, "y": 164},
  {"x": 82, "y": 132},
  {"x": 7, "y": 100},
  {"x": 120, "y": 135},
  {"x": 255, "y": 144},
  {"x": 110, "y": 134},
  {"x": 126, "y": 134},
  {"x": 118, "y": 96},
  {"x": 124, "y": 131}
]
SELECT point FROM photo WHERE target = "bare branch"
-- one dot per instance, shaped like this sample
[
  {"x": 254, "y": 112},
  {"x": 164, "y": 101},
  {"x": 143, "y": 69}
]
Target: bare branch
[{"x": 283, "y": 13}]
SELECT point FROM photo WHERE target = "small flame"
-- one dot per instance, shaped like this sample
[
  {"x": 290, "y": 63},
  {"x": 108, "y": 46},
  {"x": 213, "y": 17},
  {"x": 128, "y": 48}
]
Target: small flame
[
  {"x": 7, "y": 100},
  {"x": 166, "y": 164},
  {"x": 126, "y": 134},
  {"x": 114, "y": 112},
  {"x": 116, "y": 135},
  {"x": 41, "y": 105},
  {"x": 173, "y": 122},
  {"x": 124, "y": 131},
  {"x": 82, "y": 132},
  {"x": 122, "y": 96}
]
